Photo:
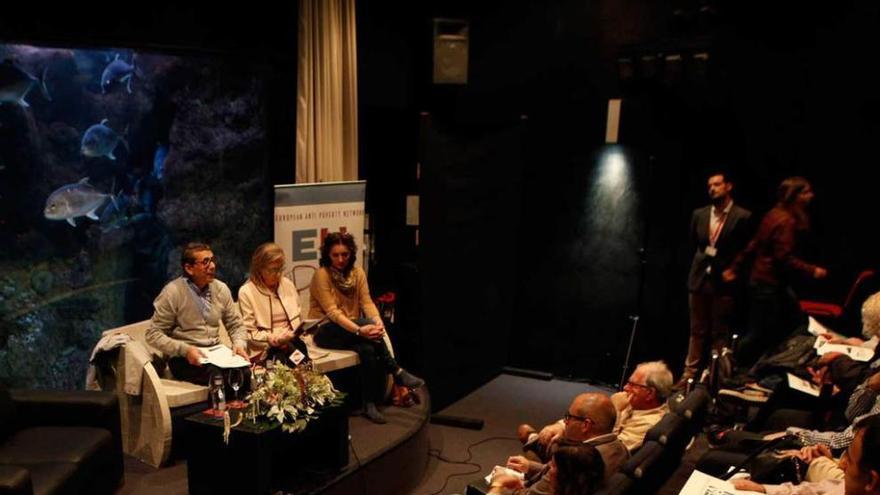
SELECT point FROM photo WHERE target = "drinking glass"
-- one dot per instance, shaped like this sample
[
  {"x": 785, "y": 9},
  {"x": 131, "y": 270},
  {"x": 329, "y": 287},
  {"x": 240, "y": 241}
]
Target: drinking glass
[{"x": 236, "y": 378}]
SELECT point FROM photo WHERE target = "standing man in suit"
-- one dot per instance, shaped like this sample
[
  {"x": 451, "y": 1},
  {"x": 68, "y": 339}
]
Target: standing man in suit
[{"x": 718, "y": 232}]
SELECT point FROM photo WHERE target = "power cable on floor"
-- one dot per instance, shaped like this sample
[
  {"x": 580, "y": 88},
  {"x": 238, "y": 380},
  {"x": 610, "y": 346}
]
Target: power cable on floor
[{"x": 466, "y": 462}]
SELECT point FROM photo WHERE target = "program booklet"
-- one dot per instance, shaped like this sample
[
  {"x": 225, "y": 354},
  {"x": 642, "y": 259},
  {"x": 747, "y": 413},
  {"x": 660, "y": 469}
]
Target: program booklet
[{"x": 222, "y": 357}]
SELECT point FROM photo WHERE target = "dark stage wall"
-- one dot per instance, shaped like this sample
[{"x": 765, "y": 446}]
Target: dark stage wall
[{"x": 787, "y": 89}]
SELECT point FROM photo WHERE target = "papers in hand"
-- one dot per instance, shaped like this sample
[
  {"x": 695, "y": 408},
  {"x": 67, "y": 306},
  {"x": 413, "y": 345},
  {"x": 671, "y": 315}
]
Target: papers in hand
[
  {"x": 703, "y": 484},
  {"x": 863, "y": 354},
  {"x": 801, "y": 385},
  {"x": 816, "y": 328},
  {"x": 222, "y": 357},
  {"x": 502, "y": 470}
]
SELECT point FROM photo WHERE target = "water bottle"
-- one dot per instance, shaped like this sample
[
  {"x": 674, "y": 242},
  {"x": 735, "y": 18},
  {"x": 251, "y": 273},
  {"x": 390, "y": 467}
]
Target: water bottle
[{"x": 218, "y": 396}]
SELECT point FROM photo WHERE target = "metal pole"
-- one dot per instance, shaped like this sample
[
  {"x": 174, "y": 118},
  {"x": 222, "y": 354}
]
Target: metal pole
[{"x": 632, "y": 337}]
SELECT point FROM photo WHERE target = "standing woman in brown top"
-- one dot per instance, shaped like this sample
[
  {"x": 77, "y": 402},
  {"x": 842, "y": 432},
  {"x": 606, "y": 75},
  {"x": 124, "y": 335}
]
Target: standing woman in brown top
[
  {"x": 339, "y": 292},
  {"x": 772, "y": 258}
]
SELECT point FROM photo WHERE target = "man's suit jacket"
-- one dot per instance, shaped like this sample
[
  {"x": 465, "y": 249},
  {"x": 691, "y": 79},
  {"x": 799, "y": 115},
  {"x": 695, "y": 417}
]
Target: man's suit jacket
[{"x": 733, "y": 238}]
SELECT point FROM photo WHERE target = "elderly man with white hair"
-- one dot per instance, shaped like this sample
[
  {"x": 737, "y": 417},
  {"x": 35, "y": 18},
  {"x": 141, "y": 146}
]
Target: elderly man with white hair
[{"x": 640, "y": 406}]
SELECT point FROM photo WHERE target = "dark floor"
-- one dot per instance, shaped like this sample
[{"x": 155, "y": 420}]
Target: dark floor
[{"x": 503, "y": 403}]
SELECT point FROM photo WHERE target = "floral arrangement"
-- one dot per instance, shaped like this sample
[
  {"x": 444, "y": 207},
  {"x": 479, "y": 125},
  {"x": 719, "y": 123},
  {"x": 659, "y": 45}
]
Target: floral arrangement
[{"x": 292, "y": 396}]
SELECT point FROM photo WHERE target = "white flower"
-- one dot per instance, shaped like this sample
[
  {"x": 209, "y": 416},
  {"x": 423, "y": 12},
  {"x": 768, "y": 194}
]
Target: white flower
[{"x": 293, "y": 397}]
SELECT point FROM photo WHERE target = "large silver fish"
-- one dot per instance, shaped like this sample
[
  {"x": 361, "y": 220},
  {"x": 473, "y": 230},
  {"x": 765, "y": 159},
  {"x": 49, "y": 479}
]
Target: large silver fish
[
  {"x": 15, "y": 83},
  {"x": 101, "y": 140},
  {"x": 74, "y": 200},
  {"x": 117, "y": 71}
]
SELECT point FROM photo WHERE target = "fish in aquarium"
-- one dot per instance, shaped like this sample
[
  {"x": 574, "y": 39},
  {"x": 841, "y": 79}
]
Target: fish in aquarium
[
  {"x": 117, "y": 71},
  {"x": 159, "y": 161},
  {"x": 101, "y": 140},
  {"x": 80, "y": 199},
  {"x": 16, "y": 83}
]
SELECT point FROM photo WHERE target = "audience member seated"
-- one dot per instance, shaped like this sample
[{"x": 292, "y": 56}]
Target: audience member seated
[
  {"x": 844, "y": 383},
  {"x": 860, "y": 466},
  {"x": 639, "y": 407},
  {"x": 270, "y": 311},
  {"x": 187, "y": 315},
  {"x": 870, "y": 318},
  {"x": 589, "y": 420},
  {"x": 821, "y": 463},
  {"x": 845, "y": 372},
  {"x": 339, "y": 293},
  {"x": 734, "y": 446},
  {"x": 642, "y": 404},
  {"x": 863, "y": 403},
  {"x": 573, "y": 470}
]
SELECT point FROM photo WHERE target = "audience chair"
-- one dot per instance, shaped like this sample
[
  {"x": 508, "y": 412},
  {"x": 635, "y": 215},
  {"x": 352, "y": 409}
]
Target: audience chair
[
  {"x": 671, "y": 432},
  {"x": 644, "y": 467},
  {"x": 831, "y": 310},
  {"x": 617, "y": 484}
]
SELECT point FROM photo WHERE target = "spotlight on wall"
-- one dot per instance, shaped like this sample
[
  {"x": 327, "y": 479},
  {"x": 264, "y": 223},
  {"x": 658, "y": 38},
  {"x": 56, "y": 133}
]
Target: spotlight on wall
[{"x": 613, "y": 172}]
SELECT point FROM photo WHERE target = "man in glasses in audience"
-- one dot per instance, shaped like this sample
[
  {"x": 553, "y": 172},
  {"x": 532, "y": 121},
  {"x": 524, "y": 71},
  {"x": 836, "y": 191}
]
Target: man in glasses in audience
[
  {"x": 187, "y": 315},
  {"x": 640, "y": 406},
  {"x": 589, "y": 419}
]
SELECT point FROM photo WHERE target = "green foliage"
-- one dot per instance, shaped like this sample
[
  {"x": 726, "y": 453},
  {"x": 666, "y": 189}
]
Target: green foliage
[{"x": 292, "y": 397}]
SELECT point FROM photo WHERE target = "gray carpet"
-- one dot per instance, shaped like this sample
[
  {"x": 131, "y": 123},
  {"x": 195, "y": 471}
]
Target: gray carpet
[{"x": 503, "y": 403}]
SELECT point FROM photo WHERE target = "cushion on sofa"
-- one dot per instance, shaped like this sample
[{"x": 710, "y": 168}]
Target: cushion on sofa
[
  {"x": 15, "y": 480},
  {"x": 56, "y": 478},
  {"x": 73, "y": 444}
]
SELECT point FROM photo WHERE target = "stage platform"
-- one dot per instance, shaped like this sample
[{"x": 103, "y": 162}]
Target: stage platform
[{"x": 383, "y": 459}]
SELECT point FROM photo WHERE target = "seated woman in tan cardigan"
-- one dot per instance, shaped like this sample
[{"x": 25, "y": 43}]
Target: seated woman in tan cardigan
[
  {"x": 340, "y": 293},
  {"x": 269, "y": 305}
]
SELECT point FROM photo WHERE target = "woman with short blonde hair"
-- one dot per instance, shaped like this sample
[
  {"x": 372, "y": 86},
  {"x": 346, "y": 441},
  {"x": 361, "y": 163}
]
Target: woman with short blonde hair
[{"x": 269, "y": 304}]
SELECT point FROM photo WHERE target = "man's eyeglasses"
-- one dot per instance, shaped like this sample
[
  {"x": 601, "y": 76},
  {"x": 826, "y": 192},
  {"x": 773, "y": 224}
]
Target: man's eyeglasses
[
  {"x": 634, "y": 384},
  {"x": 205, "y": 262},
  {"x": 571, "y": 417}
]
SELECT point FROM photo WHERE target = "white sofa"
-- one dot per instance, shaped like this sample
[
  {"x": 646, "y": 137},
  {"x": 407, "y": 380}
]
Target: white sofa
[{"x": 146, "y": 401}]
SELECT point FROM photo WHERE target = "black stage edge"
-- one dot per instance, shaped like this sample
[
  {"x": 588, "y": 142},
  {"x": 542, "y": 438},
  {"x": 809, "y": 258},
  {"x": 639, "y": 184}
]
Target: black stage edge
[
  {"x": 383, "y": 459},
  {"x": 538, "y": 375}
]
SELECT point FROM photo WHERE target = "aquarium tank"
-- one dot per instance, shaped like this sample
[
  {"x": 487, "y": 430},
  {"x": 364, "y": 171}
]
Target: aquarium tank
[{"x": 110, "y": 160}]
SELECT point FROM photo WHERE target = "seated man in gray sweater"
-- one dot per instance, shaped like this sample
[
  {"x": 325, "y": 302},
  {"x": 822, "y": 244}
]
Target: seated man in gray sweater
[{"x": 187, "y": 315}]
